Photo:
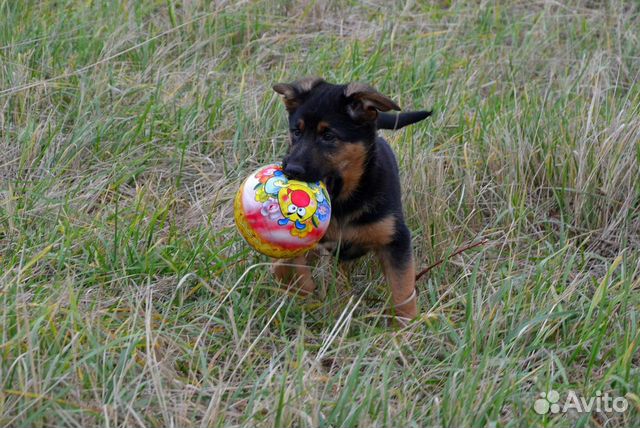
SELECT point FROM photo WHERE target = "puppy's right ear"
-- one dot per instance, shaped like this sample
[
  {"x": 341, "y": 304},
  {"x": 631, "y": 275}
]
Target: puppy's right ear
[{"x": 293, "y": 94}]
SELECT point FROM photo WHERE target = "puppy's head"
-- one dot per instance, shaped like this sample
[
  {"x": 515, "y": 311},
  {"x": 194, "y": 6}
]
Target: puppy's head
[{"x": 332, "y": 129}]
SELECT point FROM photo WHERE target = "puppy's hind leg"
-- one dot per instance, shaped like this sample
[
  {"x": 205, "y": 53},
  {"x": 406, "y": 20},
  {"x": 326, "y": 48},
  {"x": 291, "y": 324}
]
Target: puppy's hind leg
[{"x": 397, "y": 262}]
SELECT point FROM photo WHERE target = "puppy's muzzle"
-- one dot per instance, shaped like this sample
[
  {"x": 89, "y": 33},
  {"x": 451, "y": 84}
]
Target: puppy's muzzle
[{"x": 293, "y": 171}]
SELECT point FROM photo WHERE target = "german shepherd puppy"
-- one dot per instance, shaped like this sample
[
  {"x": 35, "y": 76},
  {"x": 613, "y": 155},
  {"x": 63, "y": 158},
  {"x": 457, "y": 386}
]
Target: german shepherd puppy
[{"x": 333, "y": 134}]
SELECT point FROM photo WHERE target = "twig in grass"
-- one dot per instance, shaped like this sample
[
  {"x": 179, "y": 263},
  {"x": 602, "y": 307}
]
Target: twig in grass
[{"x": 455, "y": 253}]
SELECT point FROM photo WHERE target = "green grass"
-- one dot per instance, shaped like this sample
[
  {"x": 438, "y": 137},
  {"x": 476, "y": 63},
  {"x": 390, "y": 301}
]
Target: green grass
[{"x": 128, "y": 299}]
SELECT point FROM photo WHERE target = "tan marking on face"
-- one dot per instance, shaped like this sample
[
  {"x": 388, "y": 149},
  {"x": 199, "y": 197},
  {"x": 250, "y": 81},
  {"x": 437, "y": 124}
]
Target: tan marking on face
[
  {"x": 374, "y": 235},
  {"x": 348, "y": 161},
  {"x": 403, "y": 286},
  {"x": 301, "y": 124},
  {"x": 322, "y": 126}
]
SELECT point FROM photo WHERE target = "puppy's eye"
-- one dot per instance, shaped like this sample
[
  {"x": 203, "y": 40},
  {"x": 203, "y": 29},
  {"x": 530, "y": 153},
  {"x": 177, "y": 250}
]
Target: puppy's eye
[
  {"x": 296, "y": 132},
  {"x": 328, "y": 136}
]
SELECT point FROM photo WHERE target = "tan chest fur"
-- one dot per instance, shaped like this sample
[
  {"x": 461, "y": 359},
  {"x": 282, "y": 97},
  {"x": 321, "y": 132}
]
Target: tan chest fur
[{"x": 371, "y": 236}]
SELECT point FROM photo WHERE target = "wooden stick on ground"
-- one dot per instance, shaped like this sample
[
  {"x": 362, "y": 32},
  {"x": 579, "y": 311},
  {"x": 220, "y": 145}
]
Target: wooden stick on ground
[{"x": 455, "y": 253}]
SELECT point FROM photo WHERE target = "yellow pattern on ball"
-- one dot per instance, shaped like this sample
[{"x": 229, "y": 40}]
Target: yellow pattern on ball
[{"x": 254, "y": 240}]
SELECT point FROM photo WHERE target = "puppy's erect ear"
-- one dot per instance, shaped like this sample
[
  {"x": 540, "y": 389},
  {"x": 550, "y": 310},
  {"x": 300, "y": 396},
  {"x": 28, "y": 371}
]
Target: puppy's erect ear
[
  {"x": 293, "y": 94},
  {"x": 366, "y": 102}
]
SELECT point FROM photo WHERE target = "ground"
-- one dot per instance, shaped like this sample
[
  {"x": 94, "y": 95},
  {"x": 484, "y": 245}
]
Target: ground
[{"x": 127, "y": 298}]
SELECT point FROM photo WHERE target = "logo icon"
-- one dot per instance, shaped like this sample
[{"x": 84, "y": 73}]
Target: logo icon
[{"x": 548, "y": 401}]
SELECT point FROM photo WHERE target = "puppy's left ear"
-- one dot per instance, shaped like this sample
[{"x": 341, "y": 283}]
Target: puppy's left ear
[
  {"x": 293, "y": 94},
  {"x": 365, "y": 102}
]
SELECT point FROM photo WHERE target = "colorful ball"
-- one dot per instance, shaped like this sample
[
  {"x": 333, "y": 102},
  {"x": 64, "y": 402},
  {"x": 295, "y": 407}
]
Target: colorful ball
[{"x": 279, "y": 217}]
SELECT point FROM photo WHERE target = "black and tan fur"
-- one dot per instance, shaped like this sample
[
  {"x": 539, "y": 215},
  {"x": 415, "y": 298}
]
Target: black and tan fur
[{"x": 333, "y": 130}]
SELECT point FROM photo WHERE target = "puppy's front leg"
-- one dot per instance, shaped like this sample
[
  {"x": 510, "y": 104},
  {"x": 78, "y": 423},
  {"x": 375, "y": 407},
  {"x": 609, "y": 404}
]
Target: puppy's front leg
[
  {"x": 397, "y": 262},
  {"x": 295, "y": 275}
]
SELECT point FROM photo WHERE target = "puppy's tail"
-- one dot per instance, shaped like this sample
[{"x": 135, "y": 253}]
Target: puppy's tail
[{"x": 400, "y": 120}]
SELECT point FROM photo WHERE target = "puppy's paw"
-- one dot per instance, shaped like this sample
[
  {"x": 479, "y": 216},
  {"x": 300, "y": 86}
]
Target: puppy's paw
[{"x": 294, "y": 276}]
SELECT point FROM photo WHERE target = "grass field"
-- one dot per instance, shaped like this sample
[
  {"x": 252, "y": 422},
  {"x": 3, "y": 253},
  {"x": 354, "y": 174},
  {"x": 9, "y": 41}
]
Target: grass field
[{"x": 127, "y": 298}]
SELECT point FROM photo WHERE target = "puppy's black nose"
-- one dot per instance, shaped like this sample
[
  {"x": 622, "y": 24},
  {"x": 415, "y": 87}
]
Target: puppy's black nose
[{"x": 293, "y": 170}]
